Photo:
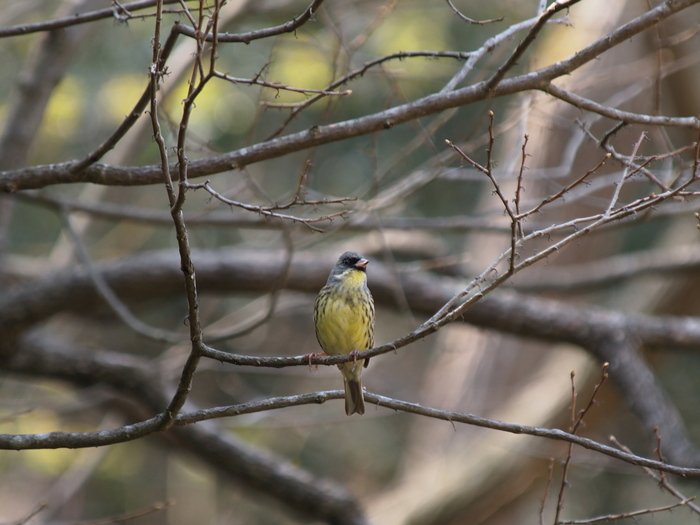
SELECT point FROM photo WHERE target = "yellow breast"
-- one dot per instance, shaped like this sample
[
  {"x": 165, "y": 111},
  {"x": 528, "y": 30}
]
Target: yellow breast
[{"x": 344, "y": 315}]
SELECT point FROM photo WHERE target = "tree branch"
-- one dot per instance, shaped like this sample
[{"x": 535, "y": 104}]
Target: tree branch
[
  {"x": 135, "y": 378},
  {"x": 41, "y": 176},
  {"x": 599, "y": 331}
]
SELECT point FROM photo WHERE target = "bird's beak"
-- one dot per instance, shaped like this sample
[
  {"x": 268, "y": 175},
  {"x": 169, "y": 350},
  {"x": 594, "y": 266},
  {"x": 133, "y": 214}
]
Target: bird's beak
[{"x": 361, "y": 264}]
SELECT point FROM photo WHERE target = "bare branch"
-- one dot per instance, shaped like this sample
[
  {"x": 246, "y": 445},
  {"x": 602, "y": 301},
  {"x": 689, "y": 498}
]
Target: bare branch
[
  {"x": 269, "y": 211},
  {"x": 620, "y": 115},
  {"x": 627, "y": 515},
  {"x": 663, "y": 482},
  {"x": 526, "y": 42},
  {"x": 117, "y": 12},
  {"x": 111, "y": 298},
  {"x": 299, "y": 490},
  {"x": 246, "y": 38},
  {"x": 257, "y": 81},
  {"x": 453, "y": 417},
  {"x": 134, "y": 371},
  {"x": 470, "y": 20},
  {"x": 40, "y": 176}
]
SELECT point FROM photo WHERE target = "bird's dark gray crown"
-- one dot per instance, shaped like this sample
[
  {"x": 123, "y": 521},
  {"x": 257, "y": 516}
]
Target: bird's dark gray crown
[
  {"x": 349, "y": 260},
  {"x": 345, "y": 262}
]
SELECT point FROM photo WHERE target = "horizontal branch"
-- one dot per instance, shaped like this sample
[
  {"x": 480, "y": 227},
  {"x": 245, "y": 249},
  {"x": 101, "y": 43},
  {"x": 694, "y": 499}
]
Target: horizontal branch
[
  {"x": 130, "y": 432},
  {"x": 453, "y": 417},
  {"x": 157, "y": 274},
  {"x": 133, "y": 375},
  {"x": 514, "y": 428},
  {"x": 100, "y": 438}
]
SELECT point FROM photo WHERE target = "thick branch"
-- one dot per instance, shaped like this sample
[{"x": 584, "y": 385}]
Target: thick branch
[{"x": 157, "y": 273}]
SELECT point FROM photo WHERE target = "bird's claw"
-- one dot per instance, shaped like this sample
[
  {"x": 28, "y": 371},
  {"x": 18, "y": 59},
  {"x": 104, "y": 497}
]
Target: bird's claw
[
  {"x": 313, "y": 368},
  {"x": 354, "y": 354}
]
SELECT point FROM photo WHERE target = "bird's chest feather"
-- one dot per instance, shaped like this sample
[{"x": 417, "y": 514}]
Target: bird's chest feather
[{"x": 343, "y": 323}]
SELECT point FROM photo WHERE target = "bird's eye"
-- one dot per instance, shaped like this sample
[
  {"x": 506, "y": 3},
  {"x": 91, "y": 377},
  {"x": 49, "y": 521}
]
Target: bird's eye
[{"x": 350, "y": 261}]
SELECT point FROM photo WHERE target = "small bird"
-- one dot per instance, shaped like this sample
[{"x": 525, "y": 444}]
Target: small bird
[{"x": 344, "y": 320}]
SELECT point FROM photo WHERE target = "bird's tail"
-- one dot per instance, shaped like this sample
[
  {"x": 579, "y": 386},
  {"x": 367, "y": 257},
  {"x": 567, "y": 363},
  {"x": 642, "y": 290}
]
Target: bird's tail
[{"x": 354, "y": 398}]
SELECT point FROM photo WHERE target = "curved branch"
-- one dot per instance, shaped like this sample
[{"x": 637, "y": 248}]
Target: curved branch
[
  {"x": 247, "y": 38},
  {"x": 124, "y": 9},
  {"x": 618, "y": 114}
]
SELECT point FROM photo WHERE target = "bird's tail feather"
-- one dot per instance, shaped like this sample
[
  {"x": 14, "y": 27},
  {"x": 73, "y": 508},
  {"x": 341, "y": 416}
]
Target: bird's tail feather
[{"x": 354, "y": 397}]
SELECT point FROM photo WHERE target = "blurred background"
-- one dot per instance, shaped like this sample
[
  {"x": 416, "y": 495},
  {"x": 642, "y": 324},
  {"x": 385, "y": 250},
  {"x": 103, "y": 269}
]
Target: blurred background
[{"x": 418, "y": 208}]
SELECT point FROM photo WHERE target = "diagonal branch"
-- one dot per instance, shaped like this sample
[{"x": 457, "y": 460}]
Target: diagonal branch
[{"x": 542, "y": 20}]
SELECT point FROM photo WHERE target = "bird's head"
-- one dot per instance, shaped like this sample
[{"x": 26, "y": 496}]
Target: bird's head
[{"x": 350, "y": 266}]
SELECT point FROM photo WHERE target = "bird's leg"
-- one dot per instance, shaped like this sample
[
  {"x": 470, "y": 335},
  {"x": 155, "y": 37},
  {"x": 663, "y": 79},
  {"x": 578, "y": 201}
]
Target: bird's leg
[
  {"x": 310, "y": 357},
  {"x": 354, "y": 354}
]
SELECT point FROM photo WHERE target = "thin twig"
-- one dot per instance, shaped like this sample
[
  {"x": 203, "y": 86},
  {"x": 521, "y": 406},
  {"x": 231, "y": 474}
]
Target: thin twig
[
  {"x": 470, "y": 20},
  {"x": 628, "y": 515},
  {"x": 246, "y": 38},
  {"x": 592, "y": 399},
  {"x": 659, "y": 454},
  {"x": 269, "y": 211},
  {"x": 542, "y": 20},
  {"x": 111, "y": 298},
  {"x": 569, "y": 453},
  {"x": 298, "y": 107},
  {"x": 558, "y": 195},
  {"x": 625, "y": 117},
  {"x": 257, "y": 81},
  {"x": 550, "y": 475},
  {"x": 627, "y": 161},
  {"x": 576, "y": 422},
  {"x": 156, "y": 507},
  {"x": 519, "y": 185},
  {"x": 488, "y": 170},
  {"x": 629, "y": 172},
  {"x": 663, "y": 482}
]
